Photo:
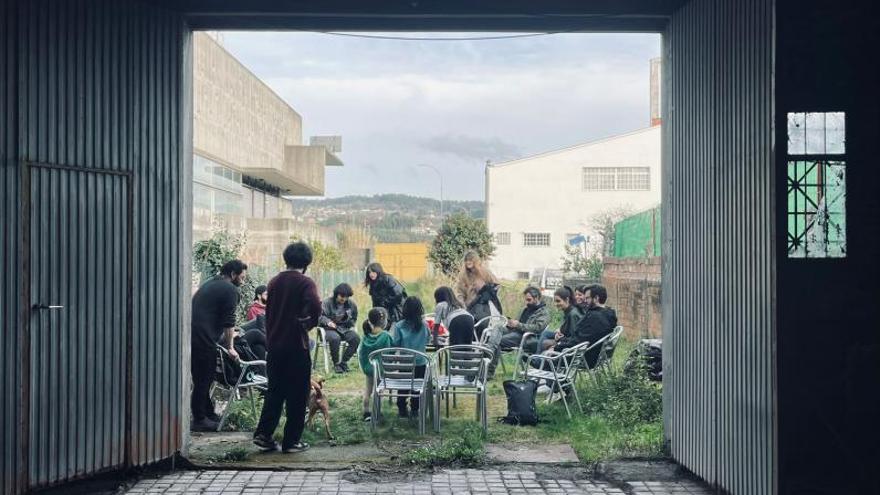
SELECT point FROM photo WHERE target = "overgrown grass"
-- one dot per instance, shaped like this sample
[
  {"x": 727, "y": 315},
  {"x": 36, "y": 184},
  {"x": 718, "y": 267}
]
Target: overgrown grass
[{"x": 622, "y": 418}]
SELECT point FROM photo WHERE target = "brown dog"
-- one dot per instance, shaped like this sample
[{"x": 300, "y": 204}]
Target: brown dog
[{"x": 318, "y": 402}]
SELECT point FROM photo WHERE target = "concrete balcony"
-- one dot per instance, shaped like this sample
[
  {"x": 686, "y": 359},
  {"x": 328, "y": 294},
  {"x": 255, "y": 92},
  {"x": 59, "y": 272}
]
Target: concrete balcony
[{"x": 301, "y": 173}]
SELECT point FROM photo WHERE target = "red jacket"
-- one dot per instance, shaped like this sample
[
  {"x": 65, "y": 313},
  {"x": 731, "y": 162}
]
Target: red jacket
[
  {"x": 256, "y": 309},
  {"x": 293, "y": 309}
]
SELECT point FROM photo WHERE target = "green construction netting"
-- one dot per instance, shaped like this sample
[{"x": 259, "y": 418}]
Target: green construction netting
[{"x": 638, "y": 235}]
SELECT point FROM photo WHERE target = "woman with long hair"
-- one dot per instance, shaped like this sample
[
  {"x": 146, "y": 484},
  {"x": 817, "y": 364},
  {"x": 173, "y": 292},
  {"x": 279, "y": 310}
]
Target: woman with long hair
[
  {"x": 411, "y": 332},
  {"x": 385, "y": 291},
  {"x": 477, "y": 288},
  {"x": 450, "y": 312}
]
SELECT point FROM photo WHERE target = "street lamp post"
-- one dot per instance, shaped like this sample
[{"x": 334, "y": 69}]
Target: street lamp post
[{"x": 441, "y": 185}]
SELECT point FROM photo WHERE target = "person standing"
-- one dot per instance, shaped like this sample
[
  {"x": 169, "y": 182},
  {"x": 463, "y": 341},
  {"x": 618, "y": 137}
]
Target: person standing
[
  {"x": 258, "y": 307},
  {"x": 375, "y": 338},
  {"x": 385, "y": 291},
  {"x": 213, "y": 318},
  {"x": 477, "y": 288},
  {"x": 292, "y": 310},
  {"x": 339, "y": 314}
]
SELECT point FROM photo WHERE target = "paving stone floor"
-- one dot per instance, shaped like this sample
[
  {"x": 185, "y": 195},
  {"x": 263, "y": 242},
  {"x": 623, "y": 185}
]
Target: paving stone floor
[{"x": 453, "y": 482}]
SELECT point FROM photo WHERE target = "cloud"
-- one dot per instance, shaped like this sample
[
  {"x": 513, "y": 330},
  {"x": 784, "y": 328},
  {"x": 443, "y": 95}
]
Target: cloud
[
  {"x": 471, "y": 148},
  {"x": 451, "y": 104}
]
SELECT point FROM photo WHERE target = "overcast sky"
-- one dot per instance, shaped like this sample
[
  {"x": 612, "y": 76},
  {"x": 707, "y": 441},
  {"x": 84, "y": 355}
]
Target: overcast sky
[{"x": 452, "y": 105}]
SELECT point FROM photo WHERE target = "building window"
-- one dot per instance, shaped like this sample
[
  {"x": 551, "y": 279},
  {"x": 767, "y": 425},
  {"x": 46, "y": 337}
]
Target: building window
[
  {"x": 616, "y": 179},
  {"x": 816, "y": 185},
  {"x": 502, "y": 238},
  {"x": 532, "y": 239},
  {"x": 522, "y": 275}
]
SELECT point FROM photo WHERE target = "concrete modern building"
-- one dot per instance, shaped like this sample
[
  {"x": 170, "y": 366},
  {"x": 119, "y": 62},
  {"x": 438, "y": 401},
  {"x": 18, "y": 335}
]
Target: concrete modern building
[
  {"x": 766, "y": 391},
  {"x": 248, "y": 156},
  {"x": 534, "y": 205}
]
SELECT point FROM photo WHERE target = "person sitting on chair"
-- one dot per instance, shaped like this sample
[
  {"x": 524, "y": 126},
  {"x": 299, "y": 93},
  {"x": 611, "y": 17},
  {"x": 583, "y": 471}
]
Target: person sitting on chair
[
  {"x": 533, "y": 319},
  {"x": 598, "y": 321},
  {"x": 564, "y": 301},
  {"x": 338, "y": 317}
]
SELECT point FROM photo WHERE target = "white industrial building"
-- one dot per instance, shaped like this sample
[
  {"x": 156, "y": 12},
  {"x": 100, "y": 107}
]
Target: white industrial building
[{"x": 534, "y": 205}]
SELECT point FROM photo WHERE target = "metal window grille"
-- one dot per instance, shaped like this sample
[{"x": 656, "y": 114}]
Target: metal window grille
[
  {"x": 531, "y": 239},
  {"x": 816, "y": 185},
  {"x": 502, "y": 238},
  {"x": 616, "y": 178}
]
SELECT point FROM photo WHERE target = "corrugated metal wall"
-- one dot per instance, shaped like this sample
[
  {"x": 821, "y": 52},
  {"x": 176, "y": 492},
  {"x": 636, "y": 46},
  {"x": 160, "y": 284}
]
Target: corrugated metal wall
[
  {"x": 718, "y": 274},
  {"x": 97, "y": 85}
]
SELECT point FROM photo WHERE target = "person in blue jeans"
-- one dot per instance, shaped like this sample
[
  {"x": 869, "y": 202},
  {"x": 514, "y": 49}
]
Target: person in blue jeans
[{"x": 411, "y": 333}]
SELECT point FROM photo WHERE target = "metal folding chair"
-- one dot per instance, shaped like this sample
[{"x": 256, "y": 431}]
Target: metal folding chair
[
  {"x": 463, "y": 371},
  {"x": 248, "y": 380},
  {"x": 562, "y": 369},
  {"x": 321, "y": 343},
  {"x": 394, "y": 373},
  {"x": 495, "y": 326}
]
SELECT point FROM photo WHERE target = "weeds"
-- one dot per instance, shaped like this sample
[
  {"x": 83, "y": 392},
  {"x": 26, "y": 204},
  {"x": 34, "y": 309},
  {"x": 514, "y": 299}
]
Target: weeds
[{"x": 465, "y": 449}]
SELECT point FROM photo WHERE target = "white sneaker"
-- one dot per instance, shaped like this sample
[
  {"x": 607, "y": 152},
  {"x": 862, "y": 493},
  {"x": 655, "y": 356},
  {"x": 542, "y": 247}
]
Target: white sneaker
[{"x": 543, "y": 390}]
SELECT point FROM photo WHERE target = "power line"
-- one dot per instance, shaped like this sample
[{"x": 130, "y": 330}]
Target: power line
[{"x": 421, "y": 38}]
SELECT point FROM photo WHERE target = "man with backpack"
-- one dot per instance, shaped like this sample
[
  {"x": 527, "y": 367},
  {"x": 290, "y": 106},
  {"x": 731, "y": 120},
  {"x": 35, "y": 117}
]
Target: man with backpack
[{"x": 213, "y": 318}]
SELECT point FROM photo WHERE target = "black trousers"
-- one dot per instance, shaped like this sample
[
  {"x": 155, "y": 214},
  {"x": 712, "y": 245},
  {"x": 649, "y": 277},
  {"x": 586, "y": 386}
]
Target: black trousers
[
  {"x": 334, "y": 339},
  {"x": 289, "y": 374},
  {"x": 203, "y": 366},
  {"x": 461, "y": 330},
  {"x": 413, "y": 401}
]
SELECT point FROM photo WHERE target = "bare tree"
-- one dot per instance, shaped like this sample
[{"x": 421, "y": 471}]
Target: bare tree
[{"x": 602, "y": 223}]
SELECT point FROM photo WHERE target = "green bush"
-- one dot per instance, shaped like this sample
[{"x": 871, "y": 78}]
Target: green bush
[{"x": 623, "y": 397}]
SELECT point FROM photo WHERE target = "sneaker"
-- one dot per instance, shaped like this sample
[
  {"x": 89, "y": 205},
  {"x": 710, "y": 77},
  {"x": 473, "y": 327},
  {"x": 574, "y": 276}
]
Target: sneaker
[
  {"x": 367, "y": 417},
  {"x": 345, "y": 367},
  {"x": 338, "y": 369},
  {"x": 543, "y": 390},
  {"x": 555, "y": 397},
  {"x": 297, "y": 447},
  {"x": 264, "y": 442},
  {"x": 204, "y": 424}
]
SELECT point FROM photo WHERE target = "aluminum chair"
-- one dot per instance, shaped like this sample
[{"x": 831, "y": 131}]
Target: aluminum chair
[
  {"x": 321, "y": 343},
  {"x": 462, "y": 369},
  {"x": 248, "y": 380},
  {"x": 608, "y": 347},
  {"x": 495, "y": 325},
  {"x": 394, "y": 373},
  {"x": 562, "y": 370}
]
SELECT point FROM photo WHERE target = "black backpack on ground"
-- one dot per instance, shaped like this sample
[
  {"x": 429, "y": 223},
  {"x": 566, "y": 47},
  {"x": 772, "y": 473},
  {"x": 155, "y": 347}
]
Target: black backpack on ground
[{"x": 521, "y": 409}]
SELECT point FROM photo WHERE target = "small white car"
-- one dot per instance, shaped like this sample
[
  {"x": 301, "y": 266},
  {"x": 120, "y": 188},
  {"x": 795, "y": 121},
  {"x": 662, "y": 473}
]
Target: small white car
[{"x": 547, "y": 279}]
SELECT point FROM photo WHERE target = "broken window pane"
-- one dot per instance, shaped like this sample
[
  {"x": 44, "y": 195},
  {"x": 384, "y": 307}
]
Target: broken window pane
[
  {"x": 816, "y": 209},
  {"x": 797, "y": 138},
  {"x": 835, "y": 135},
  {"x": 815, "y": 133}
]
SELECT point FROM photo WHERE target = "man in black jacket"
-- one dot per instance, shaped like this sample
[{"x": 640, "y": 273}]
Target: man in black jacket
[
  {"x": 598, "y": 322},
  {"x": 213, "y": 319}
]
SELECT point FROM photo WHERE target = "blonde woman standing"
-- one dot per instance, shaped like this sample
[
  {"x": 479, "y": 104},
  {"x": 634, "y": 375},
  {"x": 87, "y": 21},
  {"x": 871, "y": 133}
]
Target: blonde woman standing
[{"x": 477, "y": 288}]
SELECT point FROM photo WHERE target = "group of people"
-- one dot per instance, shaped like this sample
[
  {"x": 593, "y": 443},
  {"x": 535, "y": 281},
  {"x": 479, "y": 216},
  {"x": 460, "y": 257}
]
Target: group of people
[{"x": 284, "y": 311}]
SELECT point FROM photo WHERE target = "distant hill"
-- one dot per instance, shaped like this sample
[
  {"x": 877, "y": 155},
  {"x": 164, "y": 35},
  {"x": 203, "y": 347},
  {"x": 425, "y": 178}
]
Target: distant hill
[{"x": 389, "y": 217}]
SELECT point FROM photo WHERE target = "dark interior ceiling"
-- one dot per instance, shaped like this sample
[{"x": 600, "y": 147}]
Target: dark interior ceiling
[{"x": 427, "y": 15}]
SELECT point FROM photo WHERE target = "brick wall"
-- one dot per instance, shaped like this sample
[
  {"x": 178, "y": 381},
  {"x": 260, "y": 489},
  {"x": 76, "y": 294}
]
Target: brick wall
[{"x": 634, "y": 292}]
